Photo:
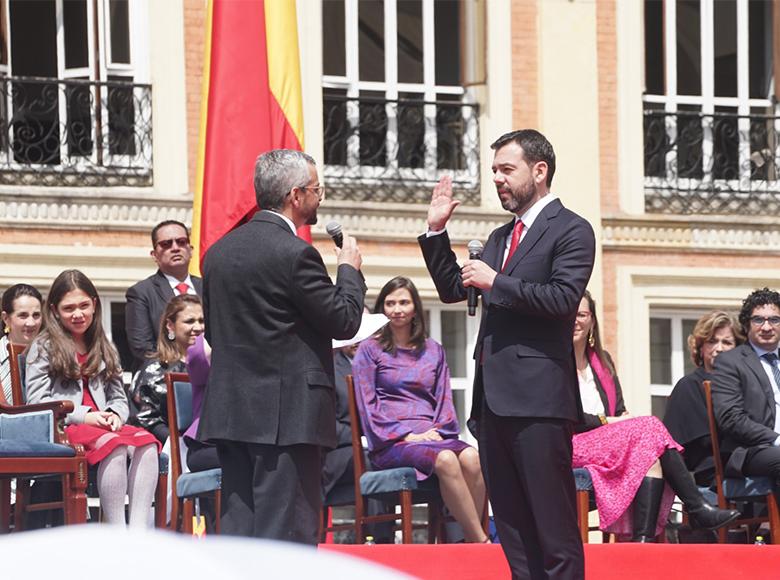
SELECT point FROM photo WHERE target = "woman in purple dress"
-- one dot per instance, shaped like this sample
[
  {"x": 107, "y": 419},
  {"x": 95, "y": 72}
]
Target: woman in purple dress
[
  {"x": 403, "y": 393},
  {"x": 630, "y": 459}
]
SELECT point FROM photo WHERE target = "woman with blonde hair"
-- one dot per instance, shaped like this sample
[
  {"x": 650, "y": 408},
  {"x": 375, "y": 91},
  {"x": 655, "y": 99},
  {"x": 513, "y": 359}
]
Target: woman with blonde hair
[
  {"x": 686, "y": 410},
  {"x": 180, "y": 325}
]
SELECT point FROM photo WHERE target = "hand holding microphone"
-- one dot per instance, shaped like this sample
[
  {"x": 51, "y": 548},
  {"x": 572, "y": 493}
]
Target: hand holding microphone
[
  {"x": 348, "y": 252},
  {"x": 475, "y": 248},
  {"x": 476, "y": 274}
]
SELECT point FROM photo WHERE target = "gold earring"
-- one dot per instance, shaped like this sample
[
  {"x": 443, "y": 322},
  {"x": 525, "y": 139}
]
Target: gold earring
[
  {"x": 591, "y": 340},
  {"x": 6, "y": 330}
]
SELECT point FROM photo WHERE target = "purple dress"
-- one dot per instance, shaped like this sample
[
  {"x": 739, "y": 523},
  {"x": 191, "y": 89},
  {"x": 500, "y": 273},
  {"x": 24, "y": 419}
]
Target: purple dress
[
  {"x": 198, "y": 368},
  {"x": 403, "y": 394}
]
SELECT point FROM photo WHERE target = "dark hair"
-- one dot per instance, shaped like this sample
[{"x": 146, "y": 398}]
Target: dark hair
[
  {"x": 535, "y": 147},
  {"x": 385, "y": 336},
  {"x": 754, "y": 300},
  {"x": 277, "y": 172},
  {"x": 62, "y": 349},
  {"x": 705, "y": 329},
  {"x": 597, "y": 346},
  {"x": 169, "y": 351},
  {"x": 167, "y": 223},
  {"x": 17, "y": 291}
]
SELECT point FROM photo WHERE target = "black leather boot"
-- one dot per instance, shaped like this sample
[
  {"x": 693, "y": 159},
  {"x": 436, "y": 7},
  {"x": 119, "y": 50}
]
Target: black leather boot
[
  {"x": 647, "y": 502},
  {"x": 701, "y": 514}
]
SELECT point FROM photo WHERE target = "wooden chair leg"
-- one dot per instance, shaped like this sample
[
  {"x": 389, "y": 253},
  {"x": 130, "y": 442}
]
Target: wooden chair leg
[
  {"x": 22, "y": 499},
  {"x": 218, "y": 511},
  {"x": 774, "y": 517},
  {"x": 406, "y": 516},
  {"x": 433, "y": 523},
  {"x": 582, "y": 514},
  {"x": 161, "y": 502},
  {"x": 187, "y": 513},
  {"x": 5, "y": 506},
  {"x": 74, "y": 497}
]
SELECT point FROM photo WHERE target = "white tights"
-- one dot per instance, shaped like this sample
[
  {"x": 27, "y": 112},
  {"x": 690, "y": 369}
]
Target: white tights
[{"x": 139, "y": 483}]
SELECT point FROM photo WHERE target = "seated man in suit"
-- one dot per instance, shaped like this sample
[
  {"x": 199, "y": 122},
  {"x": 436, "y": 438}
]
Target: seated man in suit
[
  {"x": 746, "y": 391},
  {"x": 146, "y": 300}
]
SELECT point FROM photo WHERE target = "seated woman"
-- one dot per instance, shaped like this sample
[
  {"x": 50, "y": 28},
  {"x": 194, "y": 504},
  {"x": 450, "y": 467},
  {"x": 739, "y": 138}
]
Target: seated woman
[
  {"x": 403, "y": 392},
  {"x": 181, "y": 324},
  {"x": 22, "y": 319},
  {"x": 628, "y": 458},
  {"x": 686, "y": 410},
  {"x": 73, "y": 360},
  {"x": 200, "y": 456}
]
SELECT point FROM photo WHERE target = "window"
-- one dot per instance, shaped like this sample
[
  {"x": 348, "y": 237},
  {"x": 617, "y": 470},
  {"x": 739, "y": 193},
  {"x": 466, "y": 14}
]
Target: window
[
  {"x": 72, "y": 111},
  {"x": 397, "y": 112},
  {"x": 669, "y": 355},
  {"x": 710, "y": 115}
]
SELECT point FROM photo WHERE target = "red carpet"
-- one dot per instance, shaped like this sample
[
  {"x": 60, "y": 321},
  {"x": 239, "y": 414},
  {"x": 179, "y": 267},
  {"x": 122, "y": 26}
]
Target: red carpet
[{"x": 602, "y": 562}]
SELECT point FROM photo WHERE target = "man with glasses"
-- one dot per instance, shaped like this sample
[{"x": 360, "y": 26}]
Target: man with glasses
[
  {"x": 146, "y": 300},
  {"x": 746, "y": 391},
  {"x": 271, "y": 312}
]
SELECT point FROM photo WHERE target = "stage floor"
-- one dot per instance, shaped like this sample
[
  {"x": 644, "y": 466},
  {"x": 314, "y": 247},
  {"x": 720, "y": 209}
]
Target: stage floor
[{"x": 602, "y": 561}]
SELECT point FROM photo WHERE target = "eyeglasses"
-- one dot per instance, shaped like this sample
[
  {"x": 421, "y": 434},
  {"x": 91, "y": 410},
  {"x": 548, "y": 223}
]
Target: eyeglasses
[
  {"x": 182, "y": 242},
  {"x": 583, "y": 315},
  {"x": 318, "y": 190},
  {"x": 758, "y": 321}
]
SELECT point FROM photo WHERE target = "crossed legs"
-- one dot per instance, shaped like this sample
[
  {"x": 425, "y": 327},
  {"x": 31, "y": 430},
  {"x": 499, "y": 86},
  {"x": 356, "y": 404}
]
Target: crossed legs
[{"x": 463, "y": 490}]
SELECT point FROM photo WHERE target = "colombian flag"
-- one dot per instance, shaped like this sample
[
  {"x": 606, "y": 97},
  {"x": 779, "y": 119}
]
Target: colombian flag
[{"x": 251, "y": 103}]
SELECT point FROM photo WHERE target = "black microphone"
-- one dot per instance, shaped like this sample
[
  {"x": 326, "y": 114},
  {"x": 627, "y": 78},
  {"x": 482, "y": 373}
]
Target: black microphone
[
  {"x": 334, "y": 231},
  {"x": 475, "y": 248}
]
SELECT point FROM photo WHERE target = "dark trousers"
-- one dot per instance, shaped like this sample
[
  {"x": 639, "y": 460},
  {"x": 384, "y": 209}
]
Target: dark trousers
[
  {"x": 527, "y": 468},
  {"x": 270, "y": 491},
  {"x": 764, "y": 461}
]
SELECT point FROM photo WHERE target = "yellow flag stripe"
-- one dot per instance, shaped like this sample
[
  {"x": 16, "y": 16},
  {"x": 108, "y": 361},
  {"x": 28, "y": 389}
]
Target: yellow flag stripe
[
  {"x": 284, "y": 72},
  {"x": 197, "y": 202}
]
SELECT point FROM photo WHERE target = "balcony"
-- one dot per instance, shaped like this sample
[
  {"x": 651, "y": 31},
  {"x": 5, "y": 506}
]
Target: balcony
[
  {"x": 384, "y": 150},
  {"x": 718, "y": 163},
  {"x": 60, "y": 133}
]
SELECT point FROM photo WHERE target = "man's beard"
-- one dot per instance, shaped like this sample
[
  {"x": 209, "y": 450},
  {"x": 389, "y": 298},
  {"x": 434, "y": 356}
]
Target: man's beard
[
  {"x": 518, "y": 199},
  {"x": 312, "y": 219}
]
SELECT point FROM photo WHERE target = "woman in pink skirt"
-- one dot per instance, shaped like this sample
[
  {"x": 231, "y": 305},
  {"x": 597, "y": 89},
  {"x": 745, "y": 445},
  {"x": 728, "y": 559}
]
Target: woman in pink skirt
[
  {"x": 630, "y": 459},
  {"x": 73, "y": 360}
]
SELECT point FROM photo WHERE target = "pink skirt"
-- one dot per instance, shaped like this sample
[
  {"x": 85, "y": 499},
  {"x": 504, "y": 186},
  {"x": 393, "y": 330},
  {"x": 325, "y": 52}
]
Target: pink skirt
[
  {"x": 99, "y": 442},
  {"x": 618, "y": 456}
]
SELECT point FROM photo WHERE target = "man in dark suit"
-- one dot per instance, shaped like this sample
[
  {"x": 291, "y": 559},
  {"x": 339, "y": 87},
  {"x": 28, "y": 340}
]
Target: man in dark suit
[
  {"x": 745, "y": 391},
  {"x": 532, "y": 275},
  {"x": 271, "y": 313},
  {"x": 146, "y": 300}
]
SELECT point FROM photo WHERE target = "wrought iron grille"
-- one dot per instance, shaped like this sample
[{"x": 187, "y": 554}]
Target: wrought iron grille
[
  {"x": 74, "y": 132},
  {"x": 711, "y": 163},
  {"x": 396, "y": 150}
]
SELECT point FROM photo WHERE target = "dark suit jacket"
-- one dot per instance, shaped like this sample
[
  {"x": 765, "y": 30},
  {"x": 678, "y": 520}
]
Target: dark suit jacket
[
  {"x": 146, "y": 301},
  {"x": 271, "y": 312},
  {"x": 338, "y": 460},
  {"x": 525, "y": 335},
  {"x": 744, "y": 404}
]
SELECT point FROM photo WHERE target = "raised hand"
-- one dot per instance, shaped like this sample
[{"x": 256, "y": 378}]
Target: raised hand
[{"x": 442, "y": 204}]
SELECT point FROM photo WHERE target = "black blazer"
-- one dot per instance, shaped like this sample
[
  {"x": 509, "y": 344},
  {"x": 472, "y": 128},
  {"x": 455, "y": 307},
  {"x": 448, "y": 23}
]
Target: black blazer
[
  {"x": 524, "y": 340},
  {"x": 336, "y": 461},
  {"x": 744, "y": 404},
  {"x": 271, "y": 312},
  {"x": 146, "y": 301},
  {"x": 589, "y": 421}
]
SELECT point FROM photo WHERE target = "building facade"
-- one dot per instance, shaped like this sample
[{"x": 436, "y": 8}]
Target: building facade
[{"x": 662, "y": 114}]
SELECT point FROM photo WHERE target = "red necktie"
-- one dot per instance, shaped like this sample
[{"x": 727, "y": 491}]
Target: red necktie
[
  {"x": 182, "y": 288},
  {"x": 516, "y": 232}
]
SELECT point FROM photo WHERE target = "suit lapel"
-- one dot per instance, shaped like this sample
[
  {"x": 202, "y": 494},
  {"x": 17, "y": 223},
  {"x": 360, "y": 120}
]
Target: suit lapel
[
  {"x": 163, "y": 287},
  {"x": 497, "y": 247},
  {"x": 535, "y": 233},
  {"x": 755, "y": 365}
]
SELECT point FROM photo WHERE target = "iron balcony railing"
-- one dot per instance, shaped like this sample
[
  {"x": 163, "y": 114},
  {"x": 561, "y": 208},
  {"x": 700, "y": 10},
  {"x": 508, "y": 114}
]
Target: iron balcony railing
[
  {"x": 711, "y": 163},
  {"x": 73, "y": 132},
  {"x": 384, "y": 150}
]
